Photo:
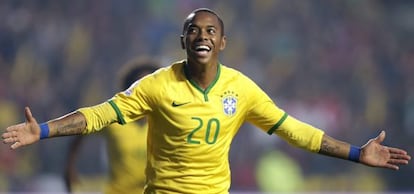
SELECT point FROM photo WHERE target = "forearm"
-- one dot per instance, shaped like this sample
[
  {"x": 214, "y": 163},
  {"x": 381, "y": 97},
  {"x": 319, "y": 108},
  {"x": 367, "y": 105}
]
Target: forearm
[
  {"x": 310, "y": 138},
  {"x": 71, "y": 124},
  {"x": 334, "y": 148}
]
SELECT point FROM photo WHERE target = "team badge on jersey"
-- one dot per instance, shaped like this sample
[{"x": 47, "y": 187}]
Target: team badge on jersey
[{"x": 229, "y": 102}]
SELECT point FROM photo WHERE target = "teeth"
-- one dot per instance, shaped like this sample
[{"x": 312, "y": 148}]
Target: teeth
[{"x": 202, "y": 47}]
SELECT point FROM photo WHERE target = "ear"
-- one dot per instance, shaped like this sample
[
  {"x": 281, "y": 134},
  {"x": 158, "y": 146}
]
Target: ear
[
  {"x": 223, "y": 43},
  {"x": 182, "y": 41}
]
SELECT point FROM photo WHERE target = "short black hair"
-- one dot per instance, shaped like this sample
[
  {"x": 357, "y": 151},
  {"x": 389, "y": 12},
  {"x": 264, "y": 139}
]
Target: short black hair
[
  {"x": 134, "y": 70},
  {"x": 190, "y": 17}
]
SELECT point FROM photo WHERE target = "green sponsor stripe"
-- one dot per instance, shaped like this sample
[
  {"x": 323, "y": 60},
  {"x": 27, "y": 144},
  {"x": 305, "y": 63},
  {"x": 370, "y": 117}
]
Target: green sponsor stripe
[
  {"x": 277, "y": 125},
  {"x": 118, "y": 112}
]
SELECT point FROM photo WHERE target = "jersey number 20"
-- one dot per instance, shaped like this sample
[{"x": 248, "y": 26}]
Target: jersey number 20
[{"x": 211, "y": 131}]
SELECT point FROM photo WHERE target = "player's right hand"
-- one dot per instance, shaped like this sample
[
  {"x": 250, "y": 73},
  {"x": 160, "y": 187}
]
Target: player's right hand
[{"x": 24, "y": 133}]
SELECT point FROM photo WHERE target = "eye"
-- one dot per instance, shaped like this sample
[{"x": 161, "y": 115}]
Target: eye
[
  {"x": 191, "y": 30},
  {"x": 211, "y": 31}
]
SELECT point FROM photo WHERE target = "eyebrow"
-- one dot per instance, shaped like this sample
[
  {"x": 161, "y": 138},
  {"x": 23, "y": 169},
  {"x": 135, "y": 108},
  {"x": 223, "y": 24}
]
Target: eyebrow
[{"x": 194, "y": 25}]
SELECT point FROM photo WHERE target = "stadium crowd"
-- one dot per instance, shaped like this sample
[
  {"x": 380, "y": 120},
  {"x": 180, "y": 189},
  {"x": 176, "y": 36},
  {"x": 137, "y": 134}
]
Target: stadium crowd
[{"x": 344, "y": 66}]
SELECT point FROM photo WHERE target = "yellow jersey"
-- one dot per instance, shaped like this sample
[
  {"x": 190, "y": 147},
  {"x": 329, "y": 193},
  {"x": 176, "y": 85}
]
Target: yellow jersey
[
  {"x": 126, "y": 147},
  {"x": 190, "y": 129}
]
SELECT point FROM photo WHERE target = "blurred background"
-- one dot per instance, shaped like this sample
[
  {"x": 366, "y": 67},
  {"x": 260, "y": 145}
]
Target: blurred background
[{"x": 343, "y": 66}]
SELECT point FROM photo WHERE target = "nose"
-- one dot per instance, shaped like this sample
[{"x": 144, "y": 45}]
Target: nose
[{"x": 203, "y": 35}]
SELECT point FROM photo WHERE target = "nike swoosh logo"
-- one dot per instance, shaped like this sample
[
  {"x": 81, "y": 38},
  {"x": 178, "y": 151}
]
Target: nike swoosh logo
[{"x": 175, "y": 104}]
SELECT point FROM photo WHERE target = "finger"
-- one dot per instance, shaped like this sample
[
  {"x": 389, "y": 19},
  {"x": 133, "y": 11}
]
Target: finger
[
  {"x": 396, "y": 151},
  {"x": 380, "y": 138},
  {"x": 6, "y": 135},
  {"x": 9, "y": 140},
  {"x": 28, "y": 114},
  {"x": 400, "y": 156},
  {"x": 15, "y": 145},
  {"x": 10, "y": 137},
  {"x": 391, "y": 166},
  {"x": 9, "y": 134},
  {"x": 12, "y": 128},
  {"x": 397, "y": 161}
]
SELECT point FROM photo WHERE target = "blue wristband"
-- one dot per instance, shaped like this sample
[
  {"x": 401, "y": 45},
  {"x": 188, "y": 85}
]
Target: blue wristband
[
  {"x": 44, "y": 130},
  {"x": 354, "y": 153}
]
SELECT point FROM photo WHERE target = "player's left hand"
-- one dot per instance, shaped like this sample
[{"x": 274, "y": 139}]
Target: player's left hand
[{"x": 373, "y": 153}]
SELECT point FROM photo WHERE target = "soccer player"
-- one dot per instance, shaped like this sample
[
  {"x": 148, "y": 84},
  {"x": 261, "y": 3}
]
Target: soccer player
[
  {"x": 194, "y": 109},
  {"x": 126, "y": 144}
]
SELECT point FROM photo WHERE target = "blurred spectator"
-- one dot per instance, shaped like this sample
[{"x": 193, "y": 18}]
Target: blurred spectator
[{"x": 330, "y": 58}]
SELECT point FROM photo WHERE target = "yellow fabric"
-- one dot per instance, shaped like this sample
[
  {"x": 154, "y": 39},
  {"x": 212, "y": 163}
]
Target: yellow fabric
[
  {"x": 98, "y": 117},
  {"x": 301, "y": 134},
  {"x": 191, "y": 129},
  {"x": 126, "y": 148},
  {"x": 127, "y": 157}
]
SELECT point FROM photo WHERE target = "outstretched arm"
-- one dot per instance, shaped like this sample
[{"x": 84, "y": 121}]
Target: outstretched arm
[
  {"x": 30, "y": 131},
  {"x": 373, "y": 153}
]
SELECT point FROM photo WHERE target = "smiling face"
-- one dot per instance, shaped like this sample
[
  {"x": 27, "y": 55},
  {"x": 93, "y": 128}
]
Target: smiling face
[{"x": 203, "y": 38}]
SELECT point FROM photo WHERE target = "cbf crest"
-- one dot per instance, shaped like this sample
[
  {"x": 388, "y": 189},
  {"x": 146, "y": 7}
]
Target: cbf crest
[{"x": 229, "y": 102}]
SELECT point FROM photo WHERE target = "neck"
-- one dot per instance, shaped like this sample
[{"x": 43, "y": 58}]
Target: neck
[{"x": 202, "y": 74}]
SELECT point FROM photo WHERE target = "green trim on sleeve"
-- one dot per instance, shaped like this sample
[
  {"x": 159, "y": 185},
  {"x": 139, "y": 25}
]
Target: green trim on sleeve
[
  {"x": 277, "y": 125},
  {"x": 118, "y": 112}
]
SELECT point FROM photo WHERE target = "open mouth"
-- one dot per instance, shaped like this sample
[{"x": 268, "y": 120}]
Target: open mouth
[{"x": 202, "y": 49}]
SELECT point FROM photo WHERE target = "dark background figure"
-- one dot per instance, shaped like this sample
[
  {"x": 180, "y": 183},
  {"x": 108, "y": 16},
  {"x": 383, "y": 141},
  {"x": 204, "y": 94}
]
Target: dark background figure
[{"x": 342, "y": 65}]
